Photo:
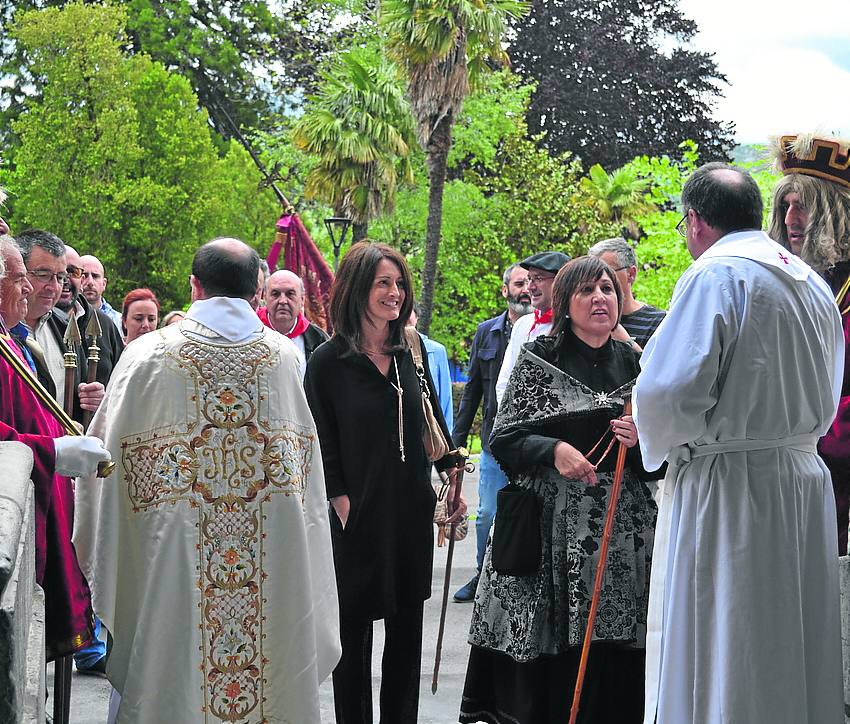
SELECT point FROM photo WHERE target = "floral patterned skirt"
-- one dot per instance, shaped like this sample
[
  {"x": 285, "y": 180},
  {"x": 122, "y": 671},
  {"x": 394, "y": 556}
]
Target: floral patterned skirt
[
  {"x": 546, "y": 613},
  {"x": 499, "y": 690}
]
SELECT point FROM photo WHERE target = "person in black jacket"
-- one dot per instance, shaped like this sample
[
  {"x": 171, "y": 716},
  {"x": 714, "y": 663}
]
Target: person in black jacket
[
  {"x": 485, "y": 360},
  {"x": 365, "y": 397},
  {"x": 109, "y": 343}
]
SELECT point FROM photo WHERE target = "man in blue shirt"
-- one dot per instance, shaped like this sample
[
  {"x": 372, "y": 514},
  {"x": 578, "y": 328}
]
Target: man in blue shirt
[{"x": 485, "y": 361}]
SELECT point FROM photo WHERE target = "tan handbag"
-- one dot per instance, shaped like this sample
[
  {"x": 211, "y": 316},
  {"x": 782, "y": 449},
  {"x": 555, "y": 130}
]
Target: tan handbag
[
  {"x": 435, "y": 443},
  {"x": 433, "y": 439}
]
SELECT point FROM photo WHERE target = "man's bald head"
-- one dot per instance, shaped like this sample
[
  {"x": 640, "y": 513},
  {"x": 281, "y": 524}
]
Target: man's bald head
[
  {"x": 284, "y": 299},
  {"x": 287, "y": 276},
  {"x": 225, "y": 267},
  {"x": 726, "y": 198},
  {"x": 94, "y": 280},
  {"x": 718, "y": 200}
]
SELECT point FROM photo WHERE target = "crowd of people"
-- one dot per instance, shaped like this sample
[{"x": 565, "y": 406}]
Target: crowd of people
[{"x": 272, "y": 496}]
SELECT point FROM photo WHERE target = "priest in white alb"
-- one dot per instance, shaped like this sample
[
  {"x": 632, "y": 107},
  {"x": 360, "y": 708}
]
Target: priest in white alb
[
  {"x": 208, "y": 550},
  {"x": 737, "y": 385}
]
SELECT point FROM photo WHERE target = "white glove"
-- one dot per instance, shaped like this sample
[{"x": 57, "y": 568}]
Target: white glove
[{"x": 78, "y": 455}]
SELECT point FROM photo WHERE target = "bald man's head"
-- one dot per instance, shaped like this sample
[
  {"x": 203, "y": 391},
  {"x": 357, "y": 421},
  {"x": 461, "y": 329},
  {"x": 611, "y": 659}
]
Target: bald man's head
[
  {"x": 284, "y": 299},
  {"x": 226, "y": 267},
  {"x": 94, "y": 280}
]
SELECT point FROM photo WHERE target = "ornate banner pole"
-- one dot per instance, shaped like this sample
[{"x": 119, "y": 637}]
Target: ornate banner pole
[
  {"x": 93, "y": 333},
  {"x": 63, "y": 665}
]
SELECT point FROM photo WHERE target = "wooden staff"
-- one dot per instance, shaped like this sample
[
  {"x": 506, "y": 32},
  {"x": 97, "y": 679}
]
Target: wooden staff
[
  {"x": 93, "y": 332},
  {"x": 463, "y": 455},
  {"x": 600, "y": 570},
  {"x": 62, "y": 665}
]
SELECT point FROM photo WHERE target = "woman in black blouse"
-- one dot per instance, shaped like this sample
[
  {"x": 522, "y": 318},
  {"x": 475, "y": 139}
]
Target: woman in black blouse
[
  {"x": 365, "y": 396},
  {"x": 565, "y": 395}
]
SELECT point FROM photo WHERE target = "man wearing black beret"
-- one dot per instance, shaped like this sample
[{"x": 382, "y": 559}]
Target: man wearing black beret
[{"x": 542, "y": 268}]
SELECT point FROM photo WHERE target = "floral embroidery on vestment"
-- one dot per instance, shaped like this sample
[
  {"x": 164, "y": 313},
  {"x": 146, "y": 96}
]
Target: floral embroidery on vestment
[{"x": 227, "y": 463}]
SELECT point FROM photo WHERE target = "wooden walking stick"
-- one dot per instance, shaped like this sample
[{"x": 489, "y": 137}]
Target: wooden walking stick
[
  {"x": 93, "y": 332},
  {"x": 62, "y": 665},
  {"x": 600, "y": 570},
  {"x": 463, "y": 455}
]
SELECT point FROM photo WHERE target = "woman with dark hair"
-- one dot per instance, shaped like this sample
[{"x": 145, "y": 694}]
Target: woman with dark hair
[
  {"x": 365, "y": 396},
  {"x": 139, "y": 314},
  {"x": 555, "y": 436}
]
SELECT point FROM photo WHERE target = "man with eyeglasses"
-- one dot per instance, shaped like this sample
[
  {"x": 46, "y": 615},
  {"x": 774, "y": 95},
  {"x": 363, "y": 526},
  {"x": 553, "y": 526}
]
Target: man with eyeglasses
[
  {"x": 485, "y": 360},
  {"x": 55, "y": 274},
  {"x": 639, "y": 319},
  {"x": 542, "y": 268}
]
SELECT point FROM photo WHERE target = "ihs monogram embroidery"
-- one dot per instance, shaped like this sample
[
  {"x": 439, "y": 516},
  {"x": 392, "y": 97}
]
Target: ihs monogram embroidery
[{"x": 227, "y": 464}]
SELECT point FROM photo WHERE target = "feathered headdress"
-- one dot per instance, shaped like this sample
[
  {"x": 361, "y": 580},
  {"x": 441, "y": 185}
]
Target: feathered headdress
[{"x": 822, "y": 157}]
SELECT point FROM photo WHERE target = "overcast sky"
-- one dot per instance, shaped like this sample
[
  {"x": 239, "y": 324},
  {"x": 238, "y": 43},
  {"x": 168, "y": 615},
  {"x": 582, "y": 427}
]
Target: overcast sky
[{"x": 788, "y": 65}]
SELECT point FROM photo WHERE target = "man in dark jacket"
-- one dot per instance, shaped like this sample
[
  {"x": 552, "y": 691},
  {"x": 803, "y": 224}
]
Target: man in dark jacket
[
  {"x": 485, "y": 360},
  {"x": 284, "y": 312}
]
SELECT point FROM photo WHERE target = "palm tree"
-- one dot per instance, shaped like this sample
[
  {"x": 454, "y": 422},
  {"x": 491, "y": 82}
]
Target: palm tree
[
  {"x": 621, "y": 196},
  {"x": 359, "y": 126},
  {"x": 443, "y": 46}
]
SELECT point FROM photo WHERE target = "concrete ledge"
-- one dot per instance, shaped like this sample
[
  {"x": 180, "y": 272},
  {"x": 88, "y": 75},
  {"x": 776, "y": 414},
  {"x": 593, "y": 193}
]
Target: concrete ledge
[{"x": 34, "y": 705}]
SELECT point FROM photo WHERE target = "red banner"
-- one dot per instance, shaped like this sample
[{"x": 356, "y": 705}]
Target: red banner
[{"x": 302, "y": 256}]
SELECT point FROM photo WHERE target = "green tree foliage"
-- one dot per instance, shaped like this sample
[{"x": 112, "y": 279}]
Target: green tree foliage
[
  {"x": 610, "y": 87},
  {"x": 244, "y": 58},
  {"x": 506, "y": 199},
  {"x": 117, "y": 158},
  {"x": 622, "y": 197},
  {"x": 662, "y": 253},
  {"x": 359, "y": 127},
  {"x": 442, "y": 46}
]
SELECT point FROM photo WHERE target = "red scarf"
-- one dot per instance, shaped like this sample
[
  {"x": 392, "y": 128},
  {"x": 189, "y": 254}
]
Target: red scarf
[
  {"x": 541, "y": 318},
  {"x": 300, "y": 327}
]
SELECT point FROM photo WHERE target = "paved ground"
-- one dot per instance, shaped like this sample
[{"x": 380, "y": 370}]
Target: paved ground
[{"x": 90, "y": 694}]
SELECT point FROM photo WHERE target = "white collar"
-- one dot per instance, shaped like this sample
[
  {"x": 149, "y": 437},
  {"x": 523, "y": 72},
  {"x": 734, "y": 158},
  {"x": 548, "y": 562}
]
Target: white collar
[
  {"x": 229, "y": 317},
  {"x": 759, "y": 247}
]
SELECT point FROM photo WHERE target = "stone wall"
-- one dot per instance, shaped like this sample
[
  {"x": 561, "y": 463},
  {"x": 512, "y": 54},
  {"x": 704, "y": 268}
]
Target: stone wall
[{"x": 21, "y": 600}]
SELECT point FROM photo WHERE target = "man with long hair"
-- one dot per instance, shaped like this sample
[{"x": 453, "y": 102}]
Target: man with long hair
[{"x": 811, "y": 218}]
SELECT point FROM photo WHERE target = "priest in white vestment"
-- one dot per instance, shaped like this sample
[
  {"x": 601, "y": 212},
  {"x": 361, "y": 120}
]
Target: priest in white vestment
[
  {"x": 208, "y": 551},
  {"x": 737, "y": 385}
]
